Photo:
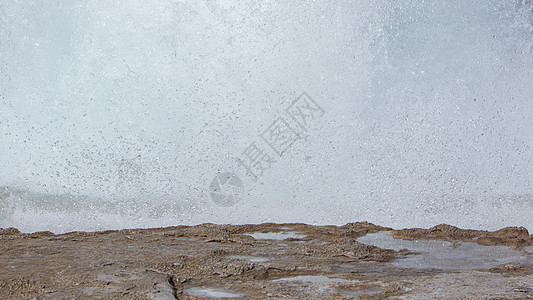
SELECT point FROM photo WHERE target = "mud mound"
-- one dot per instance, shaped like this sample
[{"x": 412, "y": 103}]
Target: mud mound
[{"x": 509, "y": 236}]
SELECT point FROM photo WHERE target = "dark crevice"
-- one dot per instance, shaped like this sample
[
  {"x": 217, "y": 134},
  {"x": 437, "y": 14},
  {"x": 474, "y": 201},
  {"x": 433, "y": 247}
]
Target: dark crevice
[{"x": 172, "y": 282}]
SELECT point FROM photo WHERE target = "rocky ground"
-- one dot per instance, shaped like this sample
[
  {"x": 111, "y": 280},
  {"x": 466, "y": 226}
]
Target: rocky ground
[{"x": 277, "y": 261}]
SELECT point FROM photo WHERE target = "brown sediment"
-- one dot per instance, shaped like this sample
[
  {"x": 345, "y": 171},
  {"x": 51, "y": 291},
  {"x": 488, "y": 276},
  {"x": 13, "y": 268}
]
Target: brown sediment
[
  {"x": 509, "y": 236},
  {"x": 190, "y": 262}
]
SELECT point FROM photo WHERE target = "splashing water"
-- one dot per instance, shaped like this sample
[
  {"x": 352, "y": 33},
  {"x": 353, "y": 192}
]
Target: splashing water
[{"x": 117, "y": 115}]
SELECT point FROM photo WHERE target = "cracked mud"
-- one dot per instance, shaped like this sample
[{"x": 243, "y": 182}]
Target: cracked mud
[{"x": 290, "y": 261}]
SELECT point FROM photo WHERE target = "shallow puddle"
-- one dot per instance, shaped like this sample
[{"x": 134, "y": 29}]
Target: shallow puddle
[
  {"x": 317, "y": 284},
  {"x": 445, "y": 255},
  {"x": 276, "y": 235},
  {"x": 250, "y": 258},
  {"x": 314, "y": 284},
  {"x": 315, "y": 279},
  {"x": 187, "y": 239},
  {"x": 316, "y": 242},
  {"x": 365, "y": 290},
  {"x": 117, "y": 277},
  {"x": 211, "y": 293}
]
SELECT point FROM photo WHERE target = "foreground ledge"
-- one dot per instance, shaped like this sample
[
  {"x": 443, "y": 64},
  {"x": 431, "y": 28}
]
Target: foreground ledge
[{"x": 295, "y": 261}]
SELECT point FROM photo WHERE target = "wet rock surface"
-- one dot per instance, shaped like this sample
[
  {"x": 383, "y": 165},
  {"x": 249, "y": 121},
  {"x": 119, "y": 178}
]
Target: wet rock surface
[{"x": 289, "y": 261}]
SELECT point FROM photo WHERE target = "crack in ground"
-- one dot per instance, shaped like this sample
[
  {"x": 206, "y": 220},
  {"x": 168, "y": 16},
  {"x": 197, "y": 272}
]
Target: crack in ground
[{"x": 172, "y": 282}]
